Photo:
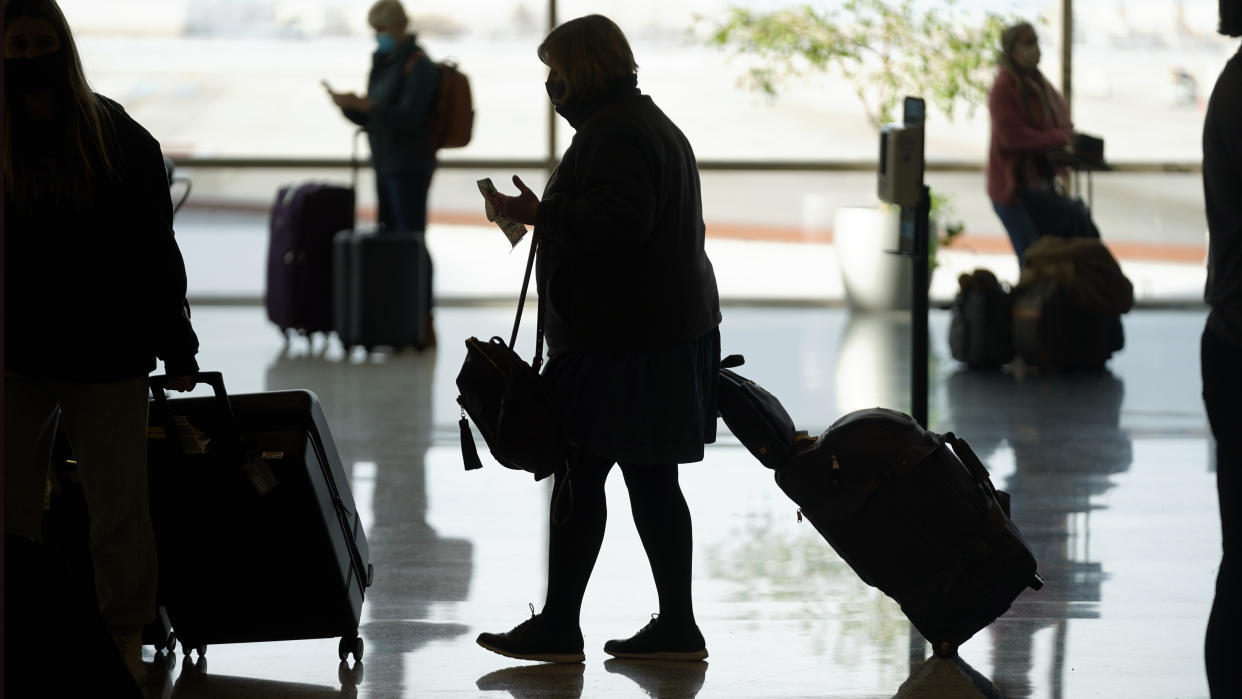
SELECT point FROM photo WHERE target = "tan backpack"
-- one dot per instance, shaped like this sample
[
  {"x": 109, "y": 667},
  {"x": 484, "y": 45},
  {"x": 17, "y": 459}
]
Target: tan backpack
[{"x": 451, "y": 121}]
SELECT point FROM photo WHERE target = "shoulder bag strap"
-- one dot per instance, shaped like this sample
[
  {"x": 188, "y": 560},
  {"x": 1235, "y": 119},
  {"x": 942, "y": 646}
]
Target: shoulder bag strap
[{"x": 517, "y": 321}]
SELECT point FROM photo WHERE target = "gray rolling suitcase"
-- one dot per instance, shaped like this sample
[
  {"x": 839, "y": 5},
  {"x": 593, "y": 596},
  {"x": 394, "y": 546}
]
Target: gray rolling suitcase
[
  {"x": 257, "y": 532},
  {"x": 380, "y": 295}
]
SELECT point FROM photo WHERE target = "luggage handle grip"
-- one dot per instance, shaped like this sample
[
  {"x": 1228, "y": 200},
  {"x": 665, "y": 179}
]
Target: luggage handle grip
[
  {"x": 215, "y": 379},
  {"x": 971, "y": 461}
]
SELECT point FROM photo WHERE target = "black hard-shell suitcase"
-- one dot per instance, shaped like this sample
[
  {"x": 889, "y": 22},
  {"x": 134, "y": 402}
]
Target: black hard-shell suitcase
[
  {"x": 380, "y": 296},
  {"x": 915, "y": 514},
  {"x": 258, "y": 535},
  {"x": 304, "y": 219},
  {"x": 1050, "y": 331}
]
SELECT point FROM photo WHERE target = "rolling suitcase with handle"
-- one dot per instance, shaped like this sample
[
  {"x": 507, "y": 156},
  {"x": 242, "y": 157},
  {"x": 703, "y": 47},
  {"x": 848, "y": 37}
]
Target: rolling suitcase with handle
[
  {"x": 380, "y": 295},
  {"x": 304, "y": 219},
  {"x": 915, "y": 514},
  {"x": 258, "y": 535}
]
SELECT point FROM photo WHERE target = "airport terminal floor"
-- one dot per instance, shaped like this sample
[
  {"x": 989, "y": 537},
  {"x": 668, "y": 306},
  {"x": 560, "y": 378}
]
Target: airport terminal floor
[{"x": 1111, "y": 475}]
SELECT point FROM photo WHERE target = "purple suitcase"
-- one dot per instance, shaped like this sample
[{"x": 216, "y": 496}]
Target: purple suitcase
[{"x": 304, "y": 219}]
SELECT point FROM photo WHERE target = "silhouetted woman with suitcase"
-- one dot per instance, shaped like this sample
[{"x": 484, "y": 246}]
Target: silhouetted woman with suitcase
[{"x": 631, "y": 320}]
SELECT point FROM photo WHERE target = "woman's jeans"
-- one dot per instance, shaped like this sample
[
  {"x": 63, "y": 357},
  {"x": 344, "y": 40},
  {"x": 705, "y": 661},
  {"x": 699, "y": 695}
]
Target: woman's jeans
[
  {"x": 1018, "y": 224},
  {"x": 403, "y": 205},
  {"x": 107, "y": 427}
]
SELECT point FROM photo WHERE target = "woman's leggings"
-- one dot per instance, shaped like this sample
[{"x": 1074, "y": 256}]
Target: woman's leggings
[{"x": 660, "y": 515}]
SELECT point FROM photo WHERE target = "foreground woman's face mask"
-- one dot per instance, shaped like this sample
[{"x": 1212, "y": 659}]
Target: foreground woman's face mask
[
  {"x": 555, "y": 87},
  {"x": 556, "y": 91},
  {"x": 38, "y": 74}
]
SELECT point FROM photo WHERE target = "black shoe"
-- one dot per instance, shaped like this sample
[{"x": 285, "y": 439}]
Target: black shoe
[
  {"x": 534, "y": 639},
  {"x": 661, "y": 641}
]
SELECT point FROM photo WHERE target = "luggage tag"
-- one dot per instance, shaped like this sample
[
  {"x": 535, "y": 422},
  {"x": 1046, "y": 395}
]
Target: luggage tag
[{"x": 260, "y": 474}]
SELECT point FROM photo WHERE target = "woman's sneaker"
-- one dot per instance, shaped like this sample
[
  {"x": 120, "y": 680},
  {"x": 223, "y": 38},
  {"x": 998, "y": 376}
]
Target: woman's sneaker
[
  {"x": 535, "y": 639},
  {"x": 661, "y": 641}
]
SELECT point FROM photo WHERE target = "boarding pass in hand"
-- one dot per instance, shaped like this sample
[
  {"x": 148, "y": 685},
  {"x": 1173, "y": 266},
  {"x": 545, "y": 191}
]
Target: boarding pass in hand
[{"x": 513, "y": 230}]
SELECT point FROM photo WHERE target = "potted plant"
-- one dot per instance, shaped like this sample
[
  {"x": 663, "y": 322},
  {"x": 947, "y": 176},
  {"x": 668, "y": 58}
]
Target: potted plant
[{"x": 886, "y": 49}]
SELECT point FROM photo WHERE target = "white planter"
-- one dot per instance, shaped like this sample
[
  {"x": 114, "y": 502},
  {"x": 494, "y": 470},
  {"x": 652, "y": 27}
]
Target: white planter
[{"x": 874, "y": 278}]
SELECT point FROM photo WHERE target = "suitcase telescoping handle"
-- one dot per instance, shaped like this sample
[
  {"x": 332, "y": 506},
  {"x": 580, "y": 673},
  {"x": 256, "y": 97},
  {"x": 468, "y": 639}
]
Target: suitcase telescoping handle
[
  {"x": 354, "y": 162},
  {"x": 159, "y": 386}
]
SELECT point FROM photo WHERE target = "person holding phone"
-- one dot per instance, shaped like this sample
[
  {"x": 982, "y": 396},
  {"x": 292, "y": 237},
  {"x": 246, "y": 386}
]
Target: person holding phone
[
  {"x": 401, "y": 89},
  {"x": 631, "y": 324}
]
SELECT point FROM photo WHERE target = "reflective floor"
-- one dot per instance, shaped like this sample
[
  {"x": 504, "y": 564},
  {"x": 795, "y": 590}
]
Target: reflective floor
[{"x": 1111, "y": 477}]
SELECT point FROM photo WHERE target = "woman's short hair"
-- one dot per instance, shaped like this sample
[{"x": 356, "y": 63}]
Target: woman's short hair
[
  {"x": 387, "y": 14},
  {"x": 588, "y": 53},
  {"x": 1230, "y": 17}
]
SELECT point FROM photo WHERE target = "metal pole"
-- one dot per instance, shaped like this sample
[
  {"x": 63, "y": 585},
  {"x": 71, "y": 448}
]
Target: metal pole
[
  {"x": 918, "y": 310},
  {"x": 553, "y": 151},
  {"x": 1067, "y": 52}
]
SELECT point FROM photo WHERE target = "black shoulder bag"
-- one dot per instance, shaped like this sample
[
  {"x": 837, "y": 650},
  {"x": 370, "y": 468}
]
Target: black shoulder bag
[{"x": 509, "y": 402}]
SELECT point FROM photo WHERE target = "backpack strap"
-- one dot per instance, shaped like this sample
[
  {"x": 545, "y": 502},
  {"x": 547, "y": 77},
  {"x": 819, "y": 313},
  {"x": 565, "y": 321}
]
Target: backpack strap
[{"x": 412, "y": 61}]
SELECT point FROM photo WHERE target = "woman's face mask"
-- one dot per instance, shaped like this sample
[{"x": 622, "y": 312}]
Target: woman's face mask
[
  {"x": 555, "y": 87},
  {"x": 385, "y": 42},
  {"x": 38, "y": 74}
]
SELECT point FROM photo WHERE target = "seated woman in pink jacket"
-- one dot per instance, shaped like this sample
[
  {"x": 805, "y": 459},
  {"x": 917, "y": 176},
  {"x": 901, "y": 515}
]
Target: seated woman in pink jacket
[{"x": 1029, "y": 119}]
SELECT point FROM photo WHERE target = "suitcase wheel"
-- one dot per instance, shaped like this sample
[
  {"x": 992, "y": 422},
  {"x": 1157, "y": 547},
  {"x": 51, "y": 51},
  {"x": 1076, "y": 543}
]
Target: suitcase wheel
[
  {"x": 350, "y": 645},
  {"x": 945, "y": 649},
  {"x": 370, "y": 575},
  {"x": 187, "y": 649}
]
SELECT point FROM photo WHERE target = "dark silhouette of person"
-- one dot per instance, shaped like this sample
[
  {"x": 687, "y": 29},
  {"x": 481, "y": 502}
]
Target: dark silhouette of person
[
  {"x": 1029, "y": 119},
  {"x": 631, "y": 320},
  {"x": 401, "y": 89},
  {"x": 94, "y": 293},
  {"x": 1221, "y": 348}
]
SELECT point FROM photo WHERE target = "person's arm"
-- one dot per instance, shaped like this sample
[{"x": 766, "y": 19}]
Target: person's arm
[
  {"x": 1009, "y": 123},
  {"x": 412, "y": 105},
  {"x": 169, "y": 313},
  {"x": 615, "y": 205}
]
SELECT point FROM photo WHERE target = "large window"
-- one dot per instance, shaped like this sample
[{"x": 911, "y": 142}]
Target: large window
[
  {"x": 241, "y": 79},
  {"x": 1142, "y": 73}
]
